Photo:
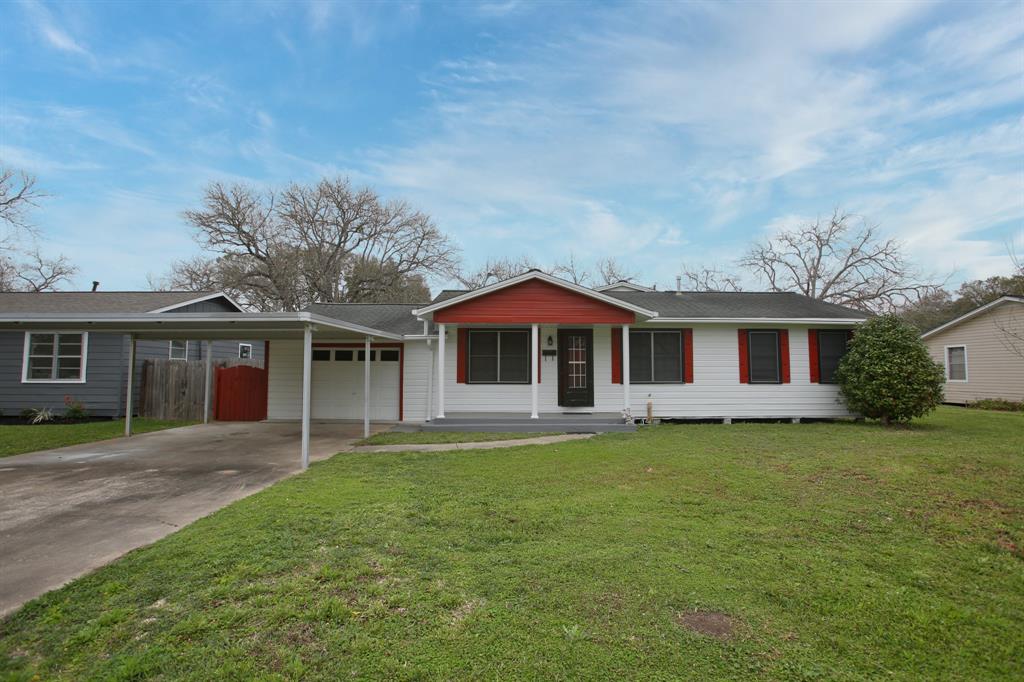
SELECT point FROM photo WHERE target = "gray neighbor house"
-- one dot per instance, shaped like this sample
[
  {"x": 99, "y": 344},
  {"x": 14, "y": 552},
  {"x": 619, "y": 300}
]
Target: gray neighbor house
[{"x": 38, "y": 369}]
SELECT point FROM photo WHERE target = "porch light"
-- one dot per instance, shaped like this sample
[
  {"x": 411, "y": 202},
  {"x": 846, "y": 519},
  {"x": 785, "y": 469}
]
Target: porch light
[{"x": 551, "y": 340}]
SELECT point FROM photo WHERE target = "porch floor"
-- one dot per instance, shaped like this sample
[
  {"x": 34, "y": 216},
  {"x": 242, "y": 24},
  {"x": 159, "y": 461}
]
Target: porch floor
[{"x": 516, "y": 422}]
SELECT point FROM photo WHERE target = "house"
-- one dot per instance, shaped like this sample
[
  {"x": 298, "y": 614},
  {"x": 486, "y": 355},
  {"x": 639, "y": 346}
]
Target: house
[
  {"x": 533, "y": 349},
  {"x": 982, "y": 352},
  {"x": 38, "y": 368}
]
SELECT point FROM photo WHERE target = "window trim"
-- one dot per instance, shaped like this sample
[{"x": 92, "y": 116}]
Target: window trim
[
  {"x": 945, "y": 358},
  {"x": 821, "y": 373},
  {"x": 682, "y": 356},
  {"x": 246, "y": 345},
  {"x": 778, "y": 357},
  {"x": 170, "y": 350},
  {"x": 497, "y": 373},
  {"x": 56, "y": 345}
]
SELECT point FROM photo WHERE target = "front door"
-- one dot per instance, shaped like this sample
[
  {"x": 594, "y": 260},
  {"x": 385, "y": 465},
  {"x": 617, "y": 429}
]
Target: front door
[{"x": 576, "y": 367}]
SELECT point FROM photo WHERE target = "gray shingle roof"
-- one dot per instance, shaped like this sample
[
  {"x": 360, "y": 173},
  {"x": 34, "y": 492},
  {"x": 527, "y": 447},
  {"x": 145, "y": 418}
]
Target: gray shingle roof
[
  {"x": 712, "y": 304},
  {"x": 738, "y": 304},
  {"x": 86, "y": 302},
  {"x": 396, "y": 318}
]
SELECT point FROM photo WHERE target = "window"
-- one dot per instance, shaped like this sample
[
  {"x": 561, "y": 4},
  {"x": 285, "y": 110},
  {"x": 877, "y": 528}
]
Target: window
[
  {"x": 178, "y": 350},
  {"x": 362, "y": 355},
  {"x": 499, "y": 357},
  {"x": 763, "y": 353},
  {"x": 656, "y": 357},
  {"x": 389, "y": 356},
  {"x": 831, "y": 349},
  {"x": 320, "y": 355},
  {"x": 343, "y": 355},
  {"x": 55, "y": 357},
  {"x": 956, "y": 363},
  {"x": 245, "y": 351}
]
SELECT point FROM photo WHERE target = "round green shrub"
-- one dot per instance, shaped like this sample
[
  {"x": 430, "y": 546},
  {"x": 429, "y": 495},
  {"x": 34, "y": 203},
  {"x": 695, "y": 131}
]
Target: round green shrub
[{"x": 887, "y": 373}]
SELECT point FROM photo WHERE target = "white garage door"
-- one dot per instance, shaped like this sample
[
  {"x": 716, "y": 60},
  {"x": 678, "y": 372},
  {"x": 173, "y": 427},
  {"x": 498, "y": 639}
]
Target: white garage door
[{"x": 338, "y": 383}]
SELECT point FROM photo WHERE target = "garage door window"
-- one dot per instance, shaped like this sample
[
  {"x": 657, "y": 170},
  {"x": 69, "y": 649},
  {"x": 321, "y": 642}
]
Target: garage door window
[{"x": 389, "y": 356}]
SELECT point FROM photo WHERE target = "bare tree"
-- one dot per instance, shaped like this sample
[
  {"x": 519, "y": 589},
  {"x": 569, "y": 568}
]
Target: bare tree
[
  {"x": 703, "y": 278},
  {"x": 496, "y": 270},
  {"x": 610, "y": 271},
  {"x": 327, "y": 242},
  {"x": 571, "y": 270},
  {"x": 18, "y": 195},
  {"x": 22, "y": 265},
  {"x": 841, "y": 260},
  {"x": 34, "y": 272}
]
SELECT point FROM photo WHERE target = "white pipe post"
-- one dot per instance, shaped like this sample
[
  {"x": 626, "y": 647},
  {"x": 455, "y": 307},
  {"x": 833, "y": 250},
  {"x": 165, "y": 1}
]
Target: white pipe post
[
  {"x": 440, "y": 371},
  {"x": 534, "y": 368},
  {"x": 307, "y": 390},
  {"x": 208, "y": 382},
  {"x": 366, "y": 390},
  {"x": 430, "y": 380},
  {"x": 625, "y": 367},
  {"x": 128, "y": 390}
]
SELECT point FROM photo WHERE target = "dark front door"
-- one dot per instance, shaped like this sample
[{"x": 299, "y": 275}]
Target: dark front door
[{"x": 575, "y": 367}]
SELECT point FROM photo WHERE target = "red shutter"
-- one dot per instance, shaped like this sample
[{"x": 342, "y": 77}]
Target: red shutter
[
  {"x": 812, "y": 355},
  {"x": 688, "y": 356},
  {"x": 461, "y": 351},
  {"x": 784, "y": 353},
  {"x": 744, "y": 366},
  {"x": 616, "y": 355}
]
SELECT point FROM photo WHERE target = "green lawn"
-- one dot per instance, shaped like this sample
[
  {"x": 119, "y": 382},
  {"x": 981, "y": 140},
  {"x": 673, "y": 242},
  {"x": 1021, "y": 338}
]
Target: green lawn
[
  {"x": 16, "y": 439},
  {"x": 836, "y": 551},
  {"x": 401, "y": 438}
]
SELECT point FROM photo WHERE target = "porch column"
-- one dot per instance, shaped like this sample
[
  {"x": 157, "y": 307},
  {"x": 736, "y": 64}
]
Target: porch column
[
  {"x": 440, "y": 371},
  {"x": 625, "y": 367},
  {"x": 534, "y": 367},
  {"x": 131, "y": 384},
  {"x": 430, "y": 381},
  {"x": 307, "y": 390},
  {"x": 207, "y": 382},
  {"x": 366, "y": 389}
]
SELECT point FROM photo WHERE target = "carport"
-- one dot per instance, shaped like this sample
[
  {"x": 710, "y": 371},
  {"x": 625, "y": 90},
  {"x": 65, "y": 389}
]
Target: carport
[{"x": 207, "y": 327}]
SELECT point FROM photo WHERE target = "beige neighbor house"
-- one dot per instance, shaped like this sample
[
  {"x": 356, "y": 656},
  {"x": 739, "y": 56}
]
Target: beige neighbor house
[{"x": 982, "y": 352}]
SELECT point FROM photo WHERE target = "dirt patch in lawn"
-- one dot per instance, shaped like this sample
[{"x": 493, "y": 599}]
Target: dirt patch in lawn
[{"x": 710, "y": 623}]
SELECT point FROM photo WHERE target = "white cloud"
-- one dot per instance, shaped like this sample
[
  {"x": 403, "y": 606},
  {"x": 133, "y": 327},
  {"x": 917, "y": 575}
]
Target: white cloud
[{"x": 54, "y": 36}]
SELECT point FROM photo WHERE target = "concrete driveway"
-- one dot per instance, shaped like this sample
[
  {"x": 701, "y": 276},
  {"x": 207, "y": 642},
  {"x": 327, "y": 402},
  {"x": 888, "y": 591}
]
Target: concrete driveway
[{"x": 68, "y": 511}]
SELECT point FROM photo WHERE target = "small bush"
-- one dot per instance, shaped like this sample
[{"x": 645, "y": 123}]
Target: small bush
[
  {"x": 997, "y": 404},
  {"x": 887, "y": 373},
  {"x": 40, "y": 415},
  {"x": 74, "y": 410}
]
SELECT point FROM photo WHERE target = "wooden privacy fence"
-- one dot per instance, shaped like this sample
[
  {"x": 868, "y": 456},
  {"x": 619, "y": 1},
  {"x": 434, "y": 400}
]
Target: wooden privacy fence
[
  {"x": 241, "y": 394},
  {"x": 174, "y": 389}
]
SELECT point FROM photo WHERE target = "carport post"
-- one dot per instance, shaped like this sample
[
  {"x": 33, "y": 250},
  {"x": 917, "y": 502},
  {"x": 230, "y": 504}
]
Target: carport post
[
  {"x": 208, "y": 382},
  {"x": 307, "y": 369},
  {"x": 128, "y": 390},
  {"x": 366, "y": 390}
]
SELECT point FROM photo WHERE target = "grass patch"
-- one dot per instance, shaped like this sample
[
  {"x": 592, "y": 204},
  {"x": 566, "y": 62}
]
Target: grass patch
[
  {"x": 816, "y": 551},
  {"x": 16, "y": 439},
  {"x": 419, "y": 437}
]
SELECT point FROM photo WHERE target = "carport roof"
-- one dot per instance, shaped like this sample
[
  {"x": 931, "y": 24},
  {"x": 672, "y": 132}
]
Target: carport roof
[{"x": 396, "y": 318}]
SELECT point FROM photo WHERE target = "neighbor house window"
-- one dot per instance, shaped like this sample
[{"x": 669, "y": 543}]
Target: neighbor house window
[
  {"x": 499, "y": 357},
  {"x": 56, "y": 357},
  {"x": 763, "y": 356},
  {"x": 656, "y": 357},
  {"x": 245, "y": 351},
  {"x": 956, "y": 363},
  {"x": 179, "y": 350},
  {"x": 831, "y": 349}
]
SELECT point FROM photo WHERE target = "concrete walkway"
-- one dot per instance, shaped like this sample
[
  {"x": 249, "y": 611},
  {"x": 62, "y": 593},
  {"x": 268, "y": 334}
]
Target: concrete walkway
[
  {"x": 479, "y": 445},
  {"x": 67, "y": 511}
]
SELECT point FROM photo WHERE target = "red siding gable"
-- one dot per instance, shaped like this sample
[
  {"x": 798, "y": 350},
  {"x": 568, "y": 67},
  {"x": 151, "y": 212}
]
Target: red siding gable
[{"x": 534, "y": 301}]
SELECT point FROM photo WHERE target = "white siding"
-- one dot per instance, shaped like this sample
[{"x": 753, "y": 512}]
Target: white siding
[
  {"x": 715, "y": 392},
  {"x": 417, "y": 369},
  {"x": 284, "y": 380}
]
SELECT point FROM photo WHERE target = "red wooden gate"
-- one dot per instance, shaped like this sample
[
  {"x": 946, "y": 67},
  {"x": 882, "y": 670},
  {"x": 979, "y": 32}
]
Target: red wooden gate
[{"x": 241, "y": 394}]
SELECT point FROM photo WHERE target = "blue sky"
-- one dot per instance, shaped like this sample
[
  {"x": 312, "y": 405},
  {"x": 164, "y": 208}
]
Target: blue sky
[{"x": 660, "y": 134}]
